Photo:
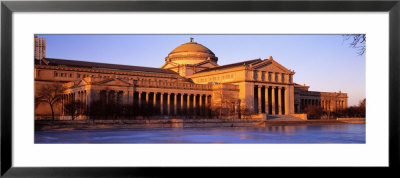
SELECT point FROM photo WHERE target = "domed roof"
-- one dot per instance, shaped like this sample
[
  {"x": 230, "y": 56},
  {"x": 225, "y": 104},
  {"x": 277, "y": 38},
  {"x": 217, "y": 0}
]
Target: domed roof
[
  {"x": 191, "y": 47},
  {"x": 191, "y": 53}
]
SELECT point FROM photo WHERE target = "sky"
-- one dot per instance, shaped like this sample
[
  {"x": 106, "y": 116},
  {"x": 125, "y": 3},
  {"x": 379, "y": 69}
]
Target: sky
[{"x": 323, "y": 62}]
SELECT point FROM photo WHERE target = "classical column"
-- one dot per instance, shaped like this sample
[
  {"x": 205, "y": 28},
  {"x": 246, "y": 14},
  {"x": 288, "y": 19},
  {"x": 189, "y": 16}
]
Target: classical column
[
  {"x": 125, "y": 97},
  {"x": 273, "y": 100},
  {"x": 325, "y": 105},
  {"x": 161, "y": 103},
  {"x": 181, "y": 104},
  {"x": 175, "y": 100},
  {"x": 280, "y": 100},
  {"x": 259, "y": 99},
  {"x": 287, "y": 101},
  {"x": 266, "y": 100},
  {"x": 206, "y": 105},
  {"x": 62, "y": 104},
  {"x": 168, "y": 103},
  {"x": 154, "y": 99},
  {"x": 86, "y": 102},
  {"x": 88, "y": 97},
  {"x": 200, "y": 104},
  {"x": 187, "y": 103},
  {"x": 140, "y": 98},
  {"x": 329, "y": 105},
  {"x": 147, "y": 97},
  {"x": 194, "y": 104}
]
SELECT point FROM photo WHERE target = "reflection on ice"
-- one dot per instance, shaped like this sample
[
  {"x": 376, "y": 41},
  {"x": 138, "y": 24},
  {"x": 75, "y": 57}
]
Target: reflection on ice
[{"x": 342, "y": 133}]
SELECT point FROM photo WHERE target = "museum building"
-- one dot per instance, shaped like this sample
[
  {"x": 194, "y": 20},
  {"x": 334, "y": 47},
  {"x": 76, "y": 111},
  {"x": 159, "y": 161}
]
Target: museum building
[{"x": 189, "y": 81}]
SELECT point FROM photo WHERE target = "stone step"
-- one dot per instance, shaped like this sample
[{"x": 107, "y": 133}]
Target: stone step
[{"x": 283, "y": 118}]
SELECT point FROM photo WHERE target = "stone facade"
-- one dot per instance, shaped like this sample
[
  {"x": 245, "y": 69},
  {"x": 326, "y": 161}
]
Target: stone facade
[
  {"x": 189, "y": 81},
  {"x": 328, "y": 101}
]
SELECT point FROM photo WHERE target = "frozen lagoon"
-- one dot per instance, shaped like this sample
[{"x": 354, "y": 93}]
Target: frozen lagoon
[{"x": 335, "y": 133}]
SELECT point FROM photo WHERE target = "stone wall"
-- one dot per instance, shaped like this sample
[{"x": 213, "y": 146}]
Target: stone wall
[
  {"x": 349, "y": 118},
  {"x": 301, "y": 116},
  {"x": 159, "y": 123}
]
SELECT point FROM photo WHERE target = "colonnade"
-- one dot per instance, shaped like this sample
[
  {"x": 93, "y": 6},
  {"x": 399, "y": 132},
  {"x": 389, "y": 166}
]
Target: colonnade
[
  {"x": 272, "y": 100},
  {"x": 80, "y": 96},
  {"x": 163, "y": 103},
  {"x": 112, "y": 97},
  {"x": 337, "y": 104},
  {"x": 174, "y": 103},
  {"x": 326, "y": 104},
  {"x": 313, "y": 102}
]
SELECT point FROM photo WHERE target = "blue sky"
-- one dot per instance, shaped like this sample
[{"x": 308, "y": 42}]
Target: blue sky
[{"x": 324, "y": 62}]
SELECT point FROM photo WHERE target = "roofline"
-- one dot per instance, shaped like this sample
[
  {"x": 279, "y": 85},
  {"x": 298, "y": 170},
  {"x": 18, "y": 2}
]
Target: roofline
[
  {"x": 226, "y": 66},
  {"x": 170, "y": 72}
]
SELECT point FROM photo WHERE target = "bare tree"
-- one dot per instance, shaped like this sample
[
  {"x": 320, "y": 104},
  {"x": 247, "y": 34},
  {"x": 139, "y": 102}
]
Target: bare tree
[
  {"x": 74, "y": 108},
  {"x": 357, "y": 41},
  {"x": 246, "y": 113},
  {"x": 361, "y": 107},
  {"x": 314, "y": 111},
  {"x": 50, "y": 94},
  {"x": 224, "y": 102}
]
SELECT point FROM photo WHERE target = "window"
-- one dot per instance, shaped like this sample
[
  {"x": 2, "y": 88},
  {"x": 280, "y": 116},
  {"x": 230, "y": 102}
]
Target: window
[
  {"x": 290, "y": 79},
  {"x": 276, "y": 77},
  {"x": 269, "y": 76},
  {"x": 55, "y": 74},
  {"x": 78, "y": 75},
  {"x": 255, "y": 75},
  {"x": 283, "y": 78},
  {"x": 70, "y": 75},
  {"x": 263, "y": 75}
]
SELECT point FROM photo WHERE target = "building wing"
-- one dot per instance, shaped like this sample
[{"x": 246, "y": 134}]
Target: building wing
[{"x": 97, "y": 65}]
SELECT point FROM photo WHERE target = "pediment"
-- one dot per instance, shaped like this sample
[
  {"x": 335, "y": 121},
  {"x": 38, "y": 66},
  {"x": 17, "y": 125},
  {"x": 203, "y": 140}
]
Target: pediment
[
  {"x": 168, "y": 65},
  {"x": 82, "y": 82},
  {"x": 113, "y": 82},
  {"x": 271, "y": 66},
  {"x": 207, "y": 64}
]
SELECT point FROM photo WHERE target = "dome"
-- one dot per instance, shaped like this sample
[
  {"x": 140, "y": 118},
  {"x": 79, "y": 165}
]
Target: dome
[{"x": 191, "y": 53}]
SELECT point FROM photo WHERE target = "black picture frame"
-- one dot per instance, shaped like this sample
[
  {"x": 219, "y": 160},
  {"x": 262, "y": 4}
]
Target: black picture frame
[{"x": 8, "y": 7}]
